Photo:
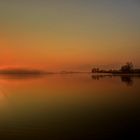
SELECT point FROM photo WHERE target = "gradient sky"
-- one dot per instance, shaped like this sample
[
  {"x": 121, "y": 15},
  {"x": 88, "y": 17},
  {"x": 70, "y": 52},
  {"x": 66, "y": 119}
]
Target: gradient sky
[{"x": 69, "y": 34}]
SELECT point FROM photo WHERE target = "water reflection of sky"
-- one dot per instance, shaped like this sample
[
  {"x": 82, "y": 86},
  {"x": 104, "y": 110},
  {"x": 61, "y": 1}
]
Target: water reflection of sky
[
  {"x": 70, "y": 87},
  {"x": 38, "y": 105}
]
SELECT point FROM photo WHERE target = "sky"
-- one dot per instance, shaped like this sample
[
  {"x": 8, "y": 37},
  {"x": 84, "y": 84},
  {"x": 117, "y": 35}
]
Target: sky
[{"x": 60, "y": 35}]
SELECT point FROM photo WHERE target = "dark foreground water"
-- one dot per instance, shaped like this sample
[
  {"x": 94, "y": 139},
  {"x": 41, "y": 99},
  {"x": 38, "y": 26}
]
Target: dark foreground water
[{"x": 69, "y": 106}]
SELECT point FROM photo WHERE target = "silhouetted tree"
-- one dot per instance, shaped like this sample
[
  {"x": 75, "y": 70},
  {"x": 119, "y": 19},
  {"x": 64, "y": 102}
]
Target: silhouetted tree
[
  {"x": 95, "y": 70},
  {"x": 127, "y": 68}
]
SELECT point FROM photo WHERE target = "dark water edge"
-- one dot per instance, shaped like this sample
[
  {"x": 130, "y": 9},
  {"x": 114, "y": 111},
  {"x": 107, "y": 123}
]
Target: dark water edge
[{"x": 89, "y": 124}]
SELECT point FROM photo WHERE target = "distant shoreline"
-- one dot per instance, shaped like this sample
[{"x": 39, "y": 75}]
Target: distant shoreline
[
  {"x": 117, "y": 73},
  {"x": 45, "y": 73},
  {"x": 21, "y": 72},
  {"x": 40, "y": 72}
]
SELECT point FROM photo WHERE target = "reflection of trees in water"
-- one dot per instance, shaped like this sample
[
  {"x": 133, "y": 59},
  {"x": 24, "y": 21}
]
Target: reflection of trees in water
[
  {"x": 98, "y": 77},
  {"x": 128, "y": 79}
]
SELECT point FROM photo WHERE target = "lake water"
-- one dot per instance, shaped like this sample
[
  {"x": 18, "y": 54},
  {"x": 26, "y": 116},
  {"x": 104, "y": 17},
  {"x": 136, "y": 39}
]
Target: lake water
[{"x": 69, "y": 106}]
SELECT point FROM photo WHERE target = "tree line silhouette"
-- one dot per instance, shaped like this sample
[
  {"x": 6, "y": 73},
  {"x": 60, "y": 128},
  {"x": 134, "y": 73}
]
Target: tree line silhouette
[{"x": 128, "y": 68}]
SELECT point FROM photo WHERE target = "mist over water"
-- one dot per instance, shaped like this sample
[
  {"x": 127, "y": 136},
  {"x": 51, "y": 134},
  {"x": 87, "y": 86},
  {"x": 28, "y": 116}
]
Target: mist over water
[{"x": 69, "y": 106}]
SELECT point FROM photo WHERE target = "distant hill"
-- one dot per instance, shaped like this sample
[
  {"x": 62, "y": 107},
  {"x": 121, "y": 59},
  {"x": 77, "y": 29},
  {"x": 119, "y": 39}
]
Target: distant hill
[{"x": 21, "y": 71}]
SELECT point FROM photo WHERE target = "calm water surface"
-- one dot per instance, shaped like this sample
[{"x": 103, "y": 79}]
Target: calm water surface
[{"x": 69, "y": 106}]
